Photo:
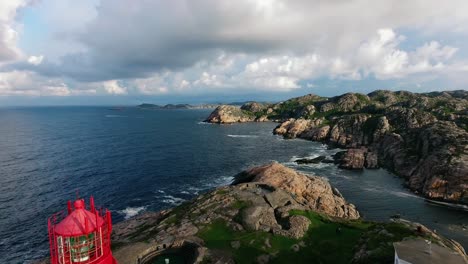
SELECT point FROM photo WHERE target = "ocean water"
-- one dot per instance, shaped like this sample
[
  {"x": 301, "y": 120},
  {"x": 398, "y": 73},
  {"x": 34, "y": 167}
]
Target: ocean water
[{"x": 136, "y": 160}]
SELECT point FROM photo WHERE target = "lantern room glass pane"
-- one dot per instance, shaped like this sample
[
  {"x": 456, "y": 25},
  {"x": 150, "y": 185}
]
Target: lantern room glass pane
[{"x": 81, "y": 247}]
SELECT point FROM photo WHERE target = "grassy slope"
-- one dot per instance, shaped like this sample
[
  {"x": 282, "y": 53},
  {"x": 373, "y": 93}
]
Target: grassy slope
[{"x": 321, "y": 244}]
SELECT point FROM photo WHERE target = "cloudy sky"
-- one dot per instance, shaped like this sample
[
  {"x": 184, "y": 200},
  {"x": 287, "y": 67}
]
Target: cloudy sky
[{"x": 127, "y": 52}]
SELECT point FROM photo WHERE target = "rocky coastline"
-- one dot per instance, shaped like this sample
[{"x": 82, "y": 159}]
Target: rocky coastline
[
  {"x": 269, "y": 214},
  {"x": 420, "y": 137}
]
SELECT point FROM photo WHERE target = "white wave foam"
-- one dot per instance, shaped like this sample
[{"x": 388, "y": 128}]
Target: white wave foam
[
  {"x": 373, "y": 190},
  {"x": 193, "y": 188},
  {"x": 242, "y": 136},
  {"x": 321, "y": 165},
  {"x": 184, "y": 192},
  {"x": 290, "y": 164},
  {"x": 131, "y": 211},
  {"x": 172, "y": 200},
  {"x": 204, "y": 123},
  {"x": 404, "y": 194}
]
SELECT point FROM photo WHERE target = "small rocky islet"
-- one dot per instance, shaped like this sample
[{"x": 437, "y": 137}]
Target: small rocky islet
[
  {"x": 421, "y": 137},
  {"x": 269, "y": 214}
]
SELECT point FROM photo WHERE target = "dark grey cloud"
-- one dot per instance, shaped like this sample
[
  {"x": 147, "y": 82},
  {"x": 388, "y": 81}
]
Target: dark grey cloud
[
  {"x": 140, "y": 38},
  {"x": 129, "y": 39}
]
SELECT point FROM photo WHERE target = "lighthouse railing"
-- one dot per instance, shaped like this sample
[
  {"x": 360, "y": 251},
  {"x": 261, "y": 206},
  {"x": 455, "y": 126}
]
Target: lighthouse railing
[
  {"x": 55, "y": 252},
  {"x": 84, "y": 249}
]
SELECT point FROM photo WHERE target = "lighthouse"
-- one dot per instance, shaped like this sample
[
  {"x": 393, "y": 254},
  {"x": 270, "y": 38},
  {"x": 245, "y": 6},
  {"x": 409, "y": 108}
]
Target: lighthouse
[{"x": 80, "y": 235}]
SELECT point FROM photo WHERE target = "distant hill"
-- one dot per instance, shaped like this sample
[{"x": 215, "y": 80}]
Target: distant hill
[
  {"x": 422, "y": 137},
  {"x": 178, "y": 106}
]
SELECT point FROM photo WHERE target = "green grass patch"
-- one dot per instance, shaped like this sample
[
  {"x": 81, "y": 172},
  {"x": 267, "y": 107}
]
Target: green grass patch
[
  {"x": 238, "y": 204},
  {"x": 328, "y": 115},
  {"x": 171, "y": 220},
  {"x": 328, "y": 240},
  {"x": 287, "y": 109},
  {"x": 362, "y": 98},
  {"x": 248, "y": 113},
  {"x": 323, "y": 244},
  {"x": 379, "y": 241},
  {"x": 241, "y": 206},
  {"x": 326, "y": 122},
  {"x": 219, "y": 236},
  {"x": 222, "y": 192}
]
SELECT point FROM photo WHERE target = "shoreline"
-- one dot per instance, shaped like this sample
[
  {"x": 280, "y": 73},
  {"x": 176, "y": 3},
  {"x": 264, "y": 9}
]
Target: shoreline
[
  {"x": 421, "y": 137},
  {"x": 332, "y": 146},
  {"x": 258, "y": 189}
]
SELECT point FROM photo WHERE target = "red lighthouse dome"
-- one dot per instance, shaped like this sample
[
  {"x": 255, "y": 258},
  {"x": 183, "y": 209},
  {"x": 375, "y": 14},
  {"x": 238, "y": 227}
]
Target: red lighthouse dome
[{"x": 82, "y": 236}]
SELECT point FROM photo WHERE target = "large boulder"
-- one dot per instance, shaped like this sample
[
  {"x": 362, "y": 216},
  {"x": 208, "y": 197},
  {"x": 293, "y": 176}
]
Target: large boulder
[
  {"x": 293, "y": 128},
  {"x": 352, "y": 159},
  {"x": 313, "y": 192},
  {"x": 260, "y": 218},
  {"x": 357, "y": 159}
]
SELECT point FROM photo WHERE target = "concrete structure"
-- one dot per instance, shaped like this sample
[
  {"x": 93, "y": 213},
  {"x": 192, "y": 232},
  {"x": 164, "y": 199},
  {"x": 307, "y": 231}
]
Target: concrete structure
[{"x": 420, "y": 251}]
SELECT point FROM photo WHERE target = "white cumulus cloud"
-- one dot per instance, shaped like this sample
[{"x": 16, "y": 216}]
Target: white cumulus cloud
[
  {"x": 120, "y": 47},
  {"x": 35, "y": 60},
  {"x": 113, "y": 87}
]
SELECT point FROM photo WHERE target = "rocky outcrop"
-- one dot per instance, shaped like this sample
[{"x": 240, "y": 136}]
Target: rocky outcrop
[
  {"x": 349, "y": 132},
  {"x": 436, "y": 163},
  {"x": 313, "y": 192},
  {"x": 366, "y": 253},
  {"x": 345, "y": 103},
  {"x": 356, "y": 159},
  {"x": 227, "y": 114},
  {"x": 421, "y": 137},
  {"x": 351, "y": 159},
  {"x": 260, "y": 199},
  {"x": 400, "y": 131},
  {"x": 311, "y": 161},
  {"x": 253, "y": 107},
  {"x": 268, "y": 212},
  {"x": 293, "y": 128}
]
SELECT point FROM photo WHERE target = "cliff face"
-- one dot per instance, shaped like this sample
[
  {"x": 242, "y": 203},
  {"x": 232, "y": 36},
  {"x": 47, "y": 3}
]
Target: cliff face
[
  {"x": 269, "y": 214},
  {"x": 421, "y": 137}
]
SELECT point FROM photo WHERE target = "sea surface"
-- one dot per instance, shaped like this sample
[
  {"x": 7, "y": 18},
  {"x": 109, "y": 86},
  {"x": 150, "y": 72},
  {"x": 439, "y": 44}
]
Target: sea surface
[{"x": 136, "y": 160}]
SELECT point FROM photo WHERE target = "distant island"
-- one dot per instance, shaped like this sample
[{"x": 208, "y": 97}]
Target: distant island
[
  {"x": 178, "y": 106},
  {"x": 422, "y": 137},
  {"x": 189, "y": 106}
]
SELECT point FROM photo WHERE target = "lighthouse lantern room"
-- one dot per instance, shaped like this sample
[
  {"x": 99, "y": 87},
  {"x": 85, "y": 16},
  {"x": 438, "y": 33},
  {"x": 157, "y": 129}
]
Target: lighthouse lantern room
[{"x": 80, "y": 235}]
